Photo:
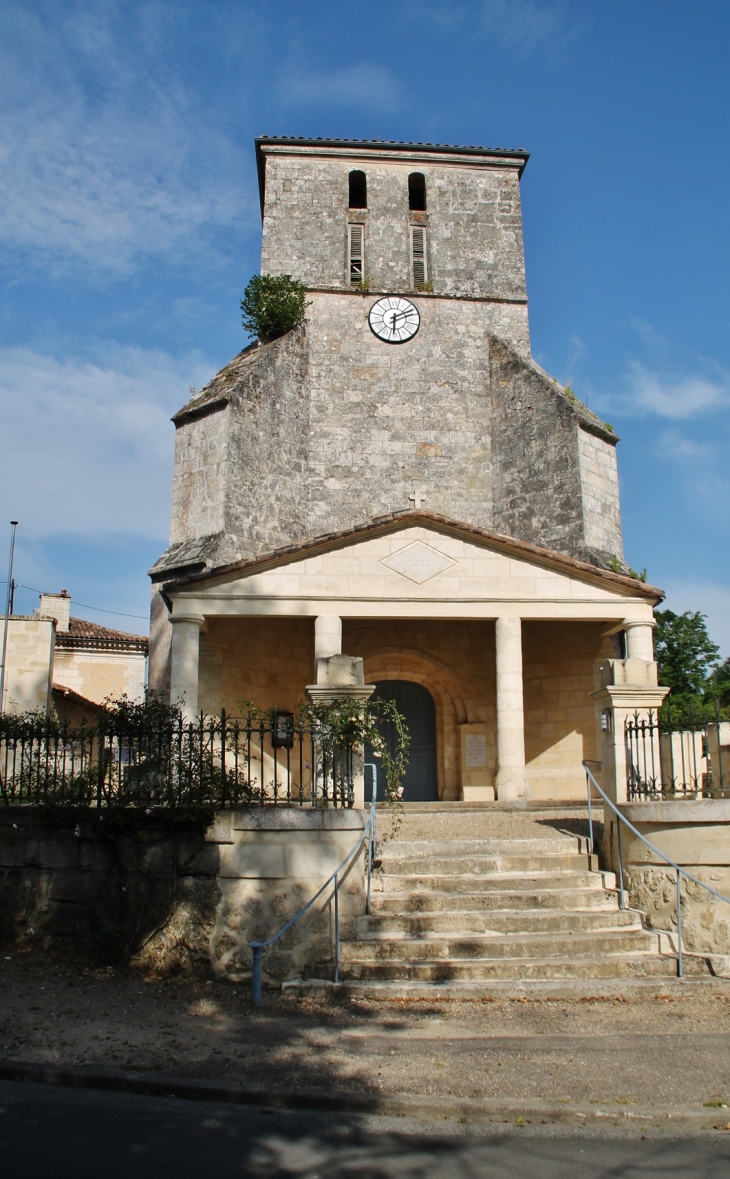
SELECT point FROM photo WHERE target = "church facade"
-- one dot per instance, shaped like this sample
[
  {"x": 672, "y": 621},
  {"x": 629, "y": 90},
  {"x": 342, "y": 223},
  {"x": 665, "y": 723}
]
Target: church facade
[{"x": 398, "y": 479}]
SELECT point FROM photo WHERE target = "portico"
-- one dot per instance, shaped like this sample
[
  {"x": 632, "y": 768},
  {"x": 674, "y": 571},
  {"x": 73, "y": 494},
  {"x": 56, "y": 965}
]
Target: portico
[{"x": 509, "y": 640}]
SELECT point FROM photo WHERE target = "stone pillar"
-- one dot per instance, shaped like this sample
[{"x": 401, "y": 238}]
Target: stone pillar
[
  {"x": 327, "y": 636},
  {"x": 639, "y": 640},
  {"x": 511, "y": 776},
  {"x": 184, "y": 659},
  {"x": 629, "y": 686},
  {"x": 340, "y": 677}
]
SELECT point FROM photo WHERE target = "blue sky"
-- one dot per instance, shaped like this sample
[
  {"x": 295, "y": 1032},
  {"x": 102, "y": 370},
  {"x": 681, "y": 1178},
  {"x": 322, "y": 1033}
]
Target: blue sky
[{"x": 131, "y": 225}]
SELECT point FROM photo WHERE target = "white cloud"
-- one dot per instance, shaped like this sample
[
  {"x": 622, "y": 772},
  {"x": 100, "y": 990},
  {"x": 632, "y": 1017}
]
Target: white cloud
[
  {"x": 106, "y": 154},
  {"x": 650, "y": 393},
  {"x": 709, "y": 598},
  {"x": 524, "y": 25},
  {"x": 521, "y": 25},
  {"x": 363, "y": 85},
  {"x": 678, "y": 446},
  {"x": 86, "y": 446}
]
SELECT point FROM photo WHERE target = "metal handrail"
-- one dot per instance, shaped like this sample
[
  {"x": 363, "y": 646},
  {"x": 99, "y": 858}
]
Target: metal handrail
[
  {"x": 257, "y": 947},
  {"x": 679, "y": 870}
]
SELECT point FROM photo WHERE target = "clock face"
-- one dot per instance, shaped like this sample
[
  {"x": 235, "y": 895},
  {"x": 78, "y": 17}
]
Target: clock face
[{"x": 394, "y": 320}]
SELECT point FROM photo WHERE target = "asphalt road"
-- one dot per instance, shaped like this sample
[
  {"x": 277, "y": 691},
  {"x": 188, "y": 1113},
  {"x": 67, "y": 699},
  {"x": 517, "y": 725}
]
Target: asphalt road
[{"x": 49, "y": 1132}]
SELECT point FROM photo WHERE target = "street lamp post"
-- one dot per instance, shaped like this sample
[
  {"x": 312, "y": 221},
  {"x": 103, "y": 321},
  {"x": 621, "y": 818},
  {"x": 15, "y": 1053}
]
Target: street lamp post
[{"x": 6, "y": 627}]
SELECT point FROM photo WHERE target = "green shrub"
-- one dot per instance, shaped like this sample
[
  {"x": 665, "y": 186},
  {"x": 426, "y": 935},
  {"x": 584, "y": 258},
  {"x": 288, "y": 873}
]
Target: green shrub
[{"x": 272, "y": 305}]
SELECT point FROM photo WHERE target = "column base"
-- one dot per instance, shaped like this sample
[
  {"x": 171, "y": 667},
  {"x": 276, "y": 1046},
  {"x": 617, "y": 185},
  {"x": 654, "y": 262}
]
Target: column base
[{"x": 512, "y": 787}]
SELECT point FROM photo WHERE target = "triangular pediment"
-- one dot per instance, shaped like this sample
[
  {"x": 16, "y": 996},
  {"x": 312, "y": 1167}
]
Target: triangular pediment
[{"x": 415, "y": 559}]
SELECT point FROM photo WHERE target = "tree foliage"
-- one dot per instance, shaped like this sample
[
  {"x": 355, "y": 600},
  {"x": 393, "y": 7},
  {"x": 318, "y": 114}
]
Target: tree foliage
[
  {"x": 689, "y": 665},
  {"x": 272, "y": 305}
]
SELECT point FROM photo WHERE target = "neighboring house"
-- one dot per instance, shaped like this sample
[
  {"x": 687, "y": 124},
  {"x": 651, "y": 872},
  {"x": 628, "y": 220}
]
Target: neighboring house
[
  {"x": 397, "y": 477},
  {"x": 66, "y": 665}
]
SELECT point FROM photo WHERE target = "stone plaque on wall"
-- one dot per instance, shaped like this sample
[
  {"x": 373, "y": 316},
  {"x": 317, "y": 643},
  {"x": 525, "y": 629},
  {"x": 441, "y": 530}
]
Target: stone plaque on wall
[
  {"x": 419, "y": 562},
  {"x": 475, "y": 750},
  {"x": 476, "y": 775}
]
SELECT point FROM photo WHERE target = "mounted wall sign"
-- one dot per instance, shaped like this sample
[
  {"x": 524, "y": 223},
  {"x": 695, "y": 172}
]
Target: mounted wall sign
[{"x": 394, "y": 320}]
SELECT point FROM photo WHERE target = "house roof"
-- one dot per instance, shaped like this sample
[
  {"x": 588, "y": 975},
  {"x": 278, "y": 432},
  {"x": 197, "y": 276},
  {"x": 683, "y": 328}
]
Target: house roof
[
  {"x": 75, "y": 697},
  {"x": 378, "y": 145},
  {"x": 381, "y": 525},
  {"x": 81, "y": 633}
]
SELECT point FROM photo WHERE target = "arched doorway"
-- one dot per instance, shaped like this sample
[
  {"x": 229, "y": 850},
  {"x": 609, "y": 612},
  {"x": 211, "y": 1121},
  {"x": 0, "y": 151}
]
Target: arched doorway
[{"x": 415, "y": 703}]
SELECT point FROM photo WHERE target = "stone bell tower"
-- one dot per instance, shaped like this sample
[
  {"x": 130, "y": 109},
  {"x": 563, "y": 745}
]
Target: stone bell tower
[{"x": 409, "y": 384}]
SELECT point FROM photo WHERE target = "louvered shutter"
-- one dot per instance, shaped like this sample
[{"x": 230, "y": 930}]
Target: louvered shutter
[
  {"x": 357, "y": 268},
  {"x": 418, "y": 254}
]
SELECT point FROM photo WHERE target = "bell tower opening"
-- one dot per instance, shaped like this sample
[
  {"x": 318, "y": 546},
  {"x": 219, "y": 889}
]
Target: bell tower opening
[{"x": 358, "y": 190}]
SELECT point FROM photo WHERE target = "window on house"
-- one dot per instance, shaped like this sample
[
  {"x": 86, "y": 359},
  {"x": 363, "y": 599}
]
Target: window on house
[
  {"x": 356, "y": 253},
  {"x": 418, "y": 255},
  {"x": 358, "y": 190},
  {"x": 417, "y": 192}
]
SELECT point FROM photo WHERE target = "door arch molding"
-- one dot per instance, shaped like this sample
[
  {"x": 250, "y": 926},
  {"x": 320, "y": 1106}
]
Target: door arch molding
[{"x": 407, "y": 664}]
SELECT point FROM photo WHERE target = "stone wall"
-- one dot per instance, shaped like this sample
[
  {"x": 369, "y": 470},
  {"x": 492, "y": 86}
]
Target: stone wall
[
  {"x": 601, "y": 505},
  {"x": 554, "y": 467},
  {"x": 172, "y": 896},
  {"x": 30, "y": 654},
  {"x": 561, "y": 662},
  {"x": 98, "y": 674},
  {"x": 696, "y": 835},
  {"x": 473, "y": 223}
]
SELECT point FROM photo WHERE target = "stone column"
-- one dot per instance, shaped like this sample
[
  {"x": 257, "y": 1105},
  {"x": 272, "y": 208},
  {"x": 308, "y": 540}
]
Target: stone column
[
  {"x": 184, "y": 659},
  {"x": 639, "y": 640},
  {"x": 327, "y": 639},
  {"x": 511, "y": 776}
]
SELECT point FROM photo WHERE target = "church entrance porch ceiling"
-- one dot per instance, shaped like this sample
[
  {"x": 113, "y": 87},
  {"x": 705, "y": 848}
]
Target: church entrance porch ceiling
[{"x": 416, "y": 565}]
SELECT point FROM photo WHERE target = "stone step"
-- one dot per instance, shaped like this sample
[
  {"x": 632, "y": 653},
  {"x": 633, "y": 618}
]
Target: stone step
[
  {"x": 562, "y": 845},
  {"x": 519, "y": 970},
  {"x": 549, "y": 899},
  {"x": 493, "y": 882},
  {"x": 456, "y": 922},
  {"x": 487, "y": 945},
  {"x": 459, "y": 865}
]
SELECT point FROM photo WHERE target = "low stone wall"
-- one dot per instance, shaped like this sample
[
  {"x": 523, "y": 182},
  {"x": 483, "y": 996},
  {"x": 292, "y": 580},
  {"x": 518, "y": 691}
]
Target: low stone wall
[
  {"x": 696, "y": 835},
  {"x": 173, "y": 894},
  {"x": 270, "y": 863}
]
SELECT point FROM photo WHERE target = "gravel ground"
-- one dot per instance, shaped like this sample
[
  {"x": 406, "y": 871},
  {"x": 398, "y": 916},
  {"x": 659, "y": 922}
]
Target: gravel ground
[
  {"x": 551, "y": 823},
  {"x": 668, "y": 1046}
]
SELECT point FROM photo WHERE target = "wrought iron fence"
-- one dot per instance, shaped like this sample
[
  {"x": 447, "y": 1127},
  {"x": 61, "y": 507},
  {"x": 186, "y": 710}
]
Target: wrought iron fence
[
  {"x": 664, "y": 761},
  {"x": 276, "y": 760}
]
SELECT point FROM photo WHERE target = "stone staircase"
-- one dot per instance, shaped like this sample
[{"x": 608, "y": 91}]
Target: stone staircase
[{"x": 514, "y": 910}]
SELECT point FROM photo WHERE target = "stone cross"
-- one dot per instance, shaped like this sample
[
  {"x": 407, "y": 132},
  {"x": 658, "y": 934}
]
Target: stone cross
[{"x": 417, "y": 497}]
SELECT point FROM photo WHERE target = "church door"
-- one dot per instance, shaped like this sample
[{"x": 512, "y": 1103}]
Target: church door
[{"x": 415, "y": 703}]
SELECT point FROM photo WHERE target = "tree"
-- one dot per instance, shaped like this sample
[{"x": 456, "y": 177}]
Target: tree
[
  {"x": 272, "y": 305},
  {"x": 721, "y": 682},
  {"x": 684, "y": 651},
  {"x": 688, "y": 664}
]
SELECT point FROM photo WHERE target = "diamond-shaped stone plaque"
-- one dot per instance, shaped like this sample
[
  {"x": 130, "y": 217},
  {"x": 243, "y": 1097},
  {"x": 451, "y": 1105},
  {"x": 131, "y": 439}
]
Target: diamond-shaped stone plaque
[{"x": 418, "y": 562}]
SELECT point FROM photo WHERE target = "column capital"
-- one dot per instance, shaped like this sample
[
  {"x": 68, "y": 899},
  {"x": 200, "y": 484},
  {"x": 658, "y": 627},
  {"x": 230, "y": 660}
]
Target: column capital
[{"x": 195, "y": 619}]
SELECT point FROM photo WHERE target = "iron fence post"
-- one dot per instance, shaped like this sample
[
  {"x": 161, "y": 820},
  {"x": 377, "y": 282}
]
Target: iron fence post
[{"x": 720, "y": 774}]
